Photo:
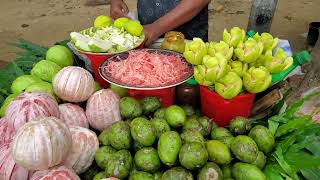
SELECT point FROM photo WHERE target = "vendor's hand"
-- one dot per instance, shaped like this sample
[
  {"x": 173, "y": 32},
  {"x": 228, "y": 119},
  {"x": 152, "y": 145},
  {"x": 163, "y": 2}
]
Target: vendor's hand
[
  {"x": 152, "y": 33},
  {"x": 118, "y": 9}
]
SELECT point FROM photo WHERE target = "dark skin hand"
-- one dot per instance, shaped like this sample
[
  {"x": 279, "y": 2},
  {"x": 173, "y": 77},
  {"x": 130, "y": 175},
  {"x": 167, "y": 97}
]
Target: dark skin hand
[{"x": 182, "y": 13}]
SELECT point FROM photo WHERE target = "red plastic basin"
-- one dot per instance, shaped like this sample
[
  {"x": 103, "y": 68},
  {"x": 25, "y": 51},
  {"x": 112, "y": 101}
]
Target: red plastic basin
[
  {"x": 96, "y": 59},
  {"x": 221, "y": 110},
  {"x": 166, "y": 95}
]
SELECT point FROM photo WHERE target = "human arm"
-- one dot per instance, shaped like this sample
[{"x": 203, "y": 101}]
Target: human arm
[
  {"x": 118, "y": 9},
  {"x": 182, "y": 13}
]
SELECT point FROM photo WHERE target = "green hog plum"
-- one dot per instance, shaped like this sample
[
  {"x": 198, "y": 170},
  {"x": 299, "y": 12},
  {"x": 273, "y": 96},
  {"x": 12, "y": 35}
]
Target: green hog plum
[
  {"x": 244, "y": 148},
  {"x": 260, "y": 162},
  {"x": 219, "y": 132},
  {"x": 218, "y": 152},
  {"x": 119, "y": 165},
  {"x": 169, "y": 145},
  {"x": 150, "y": 104},
  {"x": 239, "y": 125},
  {"x": 193, "y": 155},
  {"x": 206, "y": 124},
  {"x": 227, "y": 141},
  {"x": 263, "y": 137},
  {"x": 177, "y": 173},
  {"x": 189, "y": 110},
  {"x": 119, "y": 135},
  {"x": 103, "y": 154},
  {"x": 100, "y": 176},
  {"x": 227, "y": 171},
  {"x": 175, "y": 116},
  {"x": 104, "y": 137},
  {"x": 140, "y": 175},
  {"x": 159, "y": 113},
  {"x": 143, "y": 132},
  {"x": 190, "y": 136},
  {"x": 160, "y": 125},
  {"x": 158, "y": 175},
  {"x": 130, "y": 108},
  {"x": 244, "y": 171},
  {"x": 147, "y": 159},
  {"x": 210, "y": 171},
  {"x": 193, "y": 124}
]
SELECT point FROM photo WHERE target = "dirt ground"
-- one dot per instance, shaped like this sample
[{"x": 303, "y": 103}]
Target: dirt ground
[{"x": 48, "y": 21}]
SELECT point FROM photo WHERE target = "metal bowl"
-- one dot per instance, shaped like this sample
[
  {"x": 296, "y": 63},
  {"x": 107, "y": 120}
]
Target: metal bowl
[{"x": 124, "y": 55}]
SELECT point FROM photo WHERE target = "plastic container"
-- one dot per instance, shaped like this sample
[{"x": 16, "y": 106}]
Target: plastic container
[
  {"x": 93, "y": 62},
  {"x": 221, "y": 110},
  {"x": 285, "y": 45},
  {"x": 166, "y": 95},
  {"x": 188, "y": 93},
  {"x": 300, "y": 58}
]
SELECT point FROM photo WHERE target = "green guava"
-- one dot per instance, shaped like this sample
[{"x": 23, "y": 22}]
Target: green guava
[
  {"x": 6, "y": 103},
  {"x": 41, "y": 86},
  {"x": 121, "y": 22},
  {"x": 22, "y": 82},
  {"x": 122, "y": 92},
  {"x": 134, "y": 28},
  {"x": 60, "y": 55},
  {"x": 102, "y": 22},
  {"x": 45, "y": 70}
]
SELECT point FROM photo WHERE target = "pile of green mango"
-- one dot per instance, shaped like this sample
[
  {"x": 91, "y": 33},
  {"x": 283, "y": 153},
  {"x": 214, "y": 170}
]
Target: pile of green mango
[
  {"x": 175, "y": 143},
  {"x": 237, "y": 63}
]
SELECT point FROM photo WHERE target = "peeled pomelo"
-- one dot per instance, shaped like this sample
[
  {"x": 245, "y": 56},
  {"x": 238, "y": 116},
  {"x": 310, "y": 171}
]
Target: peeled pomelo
[
  {"x": 121, "y": 22},
  {"x": 60, "y": 55},
  {"x": 134, "y": 28},
  {"x": 102, "y": 21}
]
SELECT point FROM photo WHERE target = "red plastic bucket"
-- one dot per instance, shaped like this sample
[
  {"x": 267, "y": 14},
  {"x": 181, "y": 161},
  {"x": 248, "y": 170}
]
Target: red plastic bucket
[
  {"x": 96, "y": 59},
  {"x": 221, "y": 110},
  {"x": 166, "y": 95}
]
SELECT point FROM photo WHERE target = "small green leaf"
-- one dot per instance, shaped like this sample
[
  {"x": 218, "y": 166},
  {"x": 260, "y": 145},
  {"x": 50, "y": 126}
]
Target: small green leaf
[
  {"x": 314, "y": 148},
  {"x": 273, "y": 172},
  {"x": 302, "y": 160},
  {"x": 291, "y": 171},
  {"x": 292, "y": 125},
  {"x": 273, "y": 126},
  {"x": 311, "y": 173}
]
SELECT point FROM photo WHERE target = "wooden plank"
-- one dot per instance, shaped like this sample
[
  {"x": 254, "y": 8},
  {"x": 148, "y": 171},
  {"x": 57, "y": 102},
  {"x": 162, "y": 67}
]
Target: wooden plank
[{"x": 265, "y": 102}]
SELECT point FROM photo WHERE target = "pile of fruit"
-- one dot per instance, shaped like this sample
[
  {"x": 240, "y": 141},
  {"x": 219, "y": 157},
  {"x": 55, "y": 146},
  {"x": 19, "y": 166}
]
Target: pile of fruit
[
  {"x": 140, "y": 140},
  {"x": 41, "y": 75},
  {"x": 57, "y": 123},
  {"x": 109, "y": 37},
  {"x": 175, "y": 143},
  {"x": 236, "y": 64}
]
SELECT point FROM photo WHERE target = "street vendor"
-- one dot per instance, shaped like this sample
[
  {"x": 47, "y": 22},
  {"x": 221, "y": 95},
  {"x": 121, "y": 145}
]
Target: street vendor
[{"x": 160, "y": 16}]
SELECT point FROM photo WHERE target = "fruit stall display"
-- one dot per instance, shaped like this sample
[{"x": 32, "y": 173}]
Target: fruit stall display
[{"x": 58, "y": 123}]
